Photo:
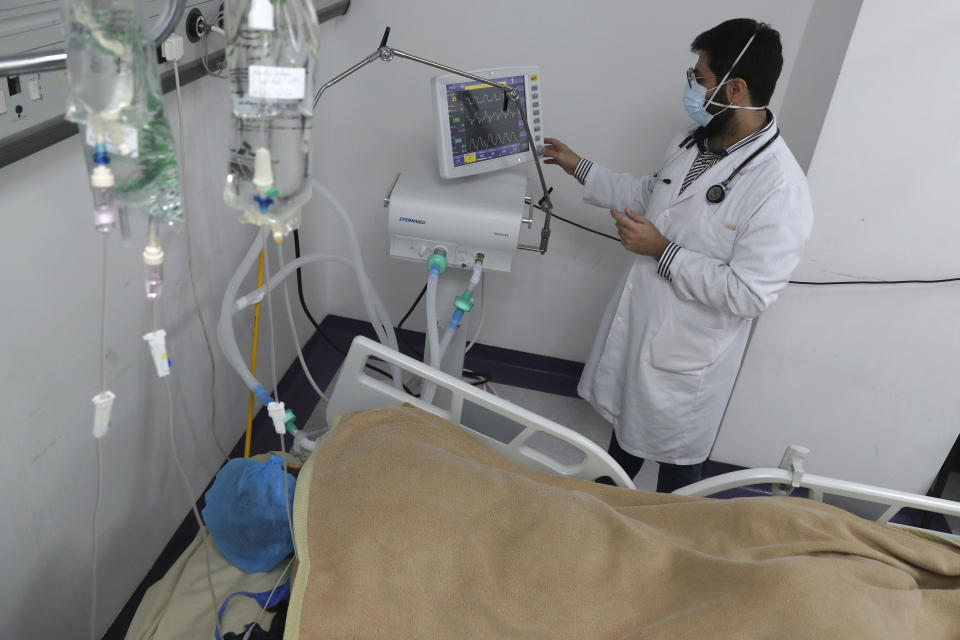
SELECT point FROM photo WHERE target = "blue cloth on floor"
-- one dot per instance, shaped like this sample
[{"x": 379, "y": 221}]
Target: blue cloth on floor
[{"x": 245, "y": 513}]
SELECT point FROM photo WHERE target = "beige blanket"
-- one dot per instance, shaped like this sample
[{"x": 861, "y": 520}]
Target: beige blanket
[{"x": 407, "y": 527}]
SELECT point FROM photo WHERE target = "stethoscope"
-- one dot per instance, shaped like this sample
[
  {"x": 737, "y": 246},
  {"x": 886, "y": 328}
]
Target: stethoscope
[{"x": 716, "y": 193}]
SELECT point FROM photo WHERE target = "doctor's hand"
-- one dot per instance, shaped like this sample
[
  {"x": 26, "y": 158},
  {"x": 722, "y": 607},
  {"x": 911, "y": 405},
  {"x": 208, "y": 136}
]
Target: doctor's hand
[
  {"x": 560, "y": 154},
  {"x": 637, "y": 234}
]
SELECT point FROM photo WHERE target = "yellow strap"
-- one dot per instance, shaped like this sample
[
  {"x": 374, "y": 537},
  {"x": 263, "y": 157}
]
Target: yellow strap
[{"x": 253, "y": 360}]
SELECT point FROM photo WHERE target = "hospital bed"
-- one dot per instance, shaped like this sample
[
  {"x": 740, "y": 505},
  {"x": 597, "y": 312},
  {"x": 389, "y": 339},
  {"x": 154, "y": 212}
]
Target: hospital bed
[
  {"x": 540, "y": 445},
  {"x": 536, "y": 442}
]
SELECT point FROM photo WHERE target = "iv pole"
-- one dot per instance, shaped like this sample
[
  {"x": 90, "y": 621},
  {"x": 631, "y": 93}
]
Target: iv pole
[{"x": 387, "y": 54}]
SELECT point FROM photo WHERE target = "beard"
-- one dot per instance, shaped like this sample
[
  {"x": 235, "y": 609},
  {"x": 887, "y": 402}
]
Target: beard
[{"x": 721, "y": 122}]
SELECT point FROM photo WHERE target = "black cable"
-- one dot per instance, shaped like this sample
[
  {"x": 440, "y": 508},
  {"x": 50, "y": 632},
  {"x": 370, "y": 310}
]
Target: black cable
[
  {"x": 580, "y": 226},
  {"x": 876, "y": 282},
  {"x": 412, "y": 307},
  {"x": 316, "y": 325},
  {"x": 804, "y": 282}
]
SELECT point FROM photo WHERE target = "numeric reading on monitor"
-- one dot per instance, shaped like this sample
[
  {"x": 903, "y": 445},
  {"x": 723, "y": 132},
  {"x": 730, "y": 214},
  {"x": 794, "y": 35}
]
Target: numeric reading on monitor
[{"x": 479, "y": 127}]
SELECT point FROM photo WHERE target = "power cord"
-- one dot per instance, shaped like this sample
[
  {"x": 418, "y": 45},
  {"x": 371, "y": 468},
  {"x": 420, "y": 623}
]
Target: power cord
[
  {"x": 412, "y": 307},
  {"x": 580, "y": 226},
  {"x": 204, "y": 47},
  {"x": 837, "y": 282}
]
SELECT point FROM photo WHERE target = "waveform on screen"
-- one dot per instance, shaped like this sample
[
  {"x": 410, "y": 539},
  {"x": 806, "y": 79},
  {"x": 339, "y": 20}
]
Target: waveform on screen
[
  {"x": 482, "y": 98},
  {"x": 492, "y": 140},
  {"x": 485, "y": 117}
]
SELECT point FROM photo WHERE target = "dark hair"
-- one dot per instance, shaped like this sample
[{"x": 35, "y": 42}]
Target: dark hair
[{"x": 759, "y": 67}]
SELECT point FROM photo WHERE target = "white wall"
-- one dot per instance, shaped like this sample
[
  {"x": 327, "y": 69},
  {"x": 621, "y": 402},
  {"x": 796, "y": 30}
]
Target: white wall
[
  {"x": 866, "y": 375},
  {"x": 815, "y": 72},
  {"x": 50, "y": 348},
  {"x": 612, "y": 75}
]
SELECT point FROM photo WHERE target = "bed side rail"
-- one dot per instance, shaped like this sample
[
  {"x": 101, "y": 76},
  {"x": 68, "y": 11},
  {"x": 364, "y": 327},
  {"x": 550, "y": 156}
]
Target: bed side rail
[
  {"x": 820, "y": 485},
  {"x": 503, "y": 426}
]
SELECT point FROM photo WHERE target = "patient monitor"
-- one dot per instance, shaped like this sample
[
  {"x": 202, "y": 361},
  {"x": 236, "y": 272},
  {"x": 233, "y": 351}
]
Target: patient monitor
[{"x": 479, "y": 131}]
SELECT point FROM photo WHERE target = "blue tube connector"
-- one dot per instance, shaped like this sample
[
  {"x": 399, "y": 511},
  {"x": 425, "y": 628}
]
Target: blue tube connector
[
  {"x": 100, "y": 155},
  {"x": 455, "y": 319},
  {"x": 264, "y": 203},
  {"x": 262, "y": 395}
]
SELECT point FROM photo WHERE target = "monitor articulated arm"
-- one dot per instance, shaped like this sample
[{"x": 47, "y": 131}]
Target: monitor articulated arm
[{"x": 387, "y": 54}]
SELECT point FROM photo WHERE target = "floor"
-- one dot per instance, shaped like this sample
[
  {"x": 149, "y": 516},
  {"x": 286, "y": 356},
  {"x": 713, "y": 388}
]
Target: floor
[{"x": 952, "y": 492}]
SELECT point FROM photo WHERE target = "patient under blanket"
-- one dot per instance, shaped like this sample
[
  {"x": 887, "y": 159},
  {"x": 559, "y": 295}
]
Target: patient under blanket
[{"x": 408, "y": 527}]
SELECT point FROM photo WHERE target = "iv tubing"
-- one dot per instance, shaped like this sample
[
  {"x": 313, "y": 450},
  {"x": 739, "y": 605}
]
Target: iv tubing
[
  {"x": 253, "y": 361},
  {"x": 225, "y": 332}
]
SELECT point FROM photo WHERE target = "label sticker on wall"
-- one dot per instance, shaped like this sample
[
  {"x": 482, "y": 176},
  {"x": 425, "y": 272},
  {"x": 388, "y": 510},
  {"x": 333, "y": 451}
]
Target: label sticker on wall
[
  {"x": 121, "y": 140},
  {"x": 278, "y": 83}
]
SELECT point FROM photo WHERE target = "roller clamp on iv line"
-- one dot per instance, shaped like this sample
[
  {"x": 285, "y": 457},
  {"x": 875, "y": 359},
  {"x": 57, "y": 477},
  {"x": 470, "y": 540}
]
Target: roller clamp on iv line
[{"x": 387, "y": 54}]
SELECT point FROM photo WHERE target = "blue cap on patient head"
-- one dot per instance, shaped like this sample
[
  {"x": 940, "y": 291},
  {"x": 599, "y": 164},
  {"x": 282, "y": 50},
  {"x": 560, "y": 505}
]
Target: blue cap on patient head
[{"x": 245, "y": 513}]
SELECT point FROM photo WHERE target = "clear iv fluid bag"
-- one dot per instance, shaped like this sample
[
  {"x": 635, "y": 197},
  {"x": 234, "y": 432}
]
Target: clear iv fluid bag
[
  {"x": 115, "y": 97},
  {"x": 272, "y": 62}
]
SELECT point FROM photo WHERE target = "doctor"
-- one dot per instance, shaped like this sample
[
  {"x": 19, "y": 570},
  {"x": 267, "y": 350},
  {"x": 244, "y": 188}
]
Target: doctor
[{"x": 716, "y": 232}]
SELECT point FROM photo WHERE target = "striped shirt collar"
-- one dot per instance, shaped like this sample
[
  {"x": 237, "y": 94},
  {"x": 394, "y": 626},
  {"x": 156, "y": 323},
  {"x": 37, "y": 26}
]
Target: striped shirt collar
[{"x": 702, "y": 142}]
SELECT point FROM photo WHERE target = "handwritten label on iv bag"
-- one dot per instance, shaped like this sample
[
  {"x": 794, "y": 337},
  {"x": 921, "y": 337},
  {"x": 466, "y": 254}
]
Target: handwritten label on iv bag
[
  {"x": 121, "y": 140},
  {"x": 278, "y": 83}
]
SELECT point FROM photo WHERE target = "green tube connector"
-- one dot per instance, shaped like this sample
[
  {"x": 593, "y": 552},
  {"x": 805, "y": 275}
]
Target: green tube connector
[
  {"x": 437, "y": 261},
  {"x": 288, "y": 419},
  {"x": 464, "y": 301}
]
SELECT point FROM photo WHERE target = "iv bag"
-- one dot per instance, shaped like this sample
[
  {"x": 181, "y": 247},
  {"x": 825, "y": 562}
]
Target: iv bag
[
  {"x": 115, "y": 97},
  {"x": 272, "y": 60}
]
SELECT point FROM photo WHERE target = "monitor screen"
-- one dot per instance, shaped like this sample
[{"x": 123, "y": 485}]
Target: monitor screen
[{"x": 479, "y": 127}]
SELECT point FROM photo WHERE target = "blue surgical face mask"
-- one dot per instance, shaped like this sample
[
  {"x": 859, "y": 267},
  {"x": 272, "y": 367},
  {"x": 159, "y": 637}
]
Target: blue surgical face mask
[{"x": 694, "y": 101}]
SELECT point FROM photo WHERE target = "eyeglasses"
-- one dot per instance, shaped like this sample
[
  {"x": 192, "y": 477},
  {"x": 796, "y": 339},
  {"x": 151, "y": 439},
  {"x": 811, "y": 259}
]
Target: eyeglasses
[{"x": 693, "y": 77}]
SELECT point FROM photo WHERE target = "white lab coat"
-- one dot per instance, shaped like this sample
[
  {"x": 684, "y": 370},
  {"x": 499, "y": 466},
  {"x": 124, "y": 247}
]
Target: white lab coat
[{"x": 667, "y": 353}]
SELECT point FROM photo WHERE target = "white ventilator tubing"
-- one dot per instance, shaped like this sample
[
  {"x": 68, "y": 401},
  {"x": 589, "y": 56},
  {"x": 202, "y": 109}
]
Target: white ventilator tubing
[
  {"x": 376, "y": 310},
  {"x": 433, "y": 336},
  {"x": 296, "y": 338},
  {"x": 277, "y": 279},
  {"x": 436, "y": 356},
  {"x": 448, "y": 333},
  {"x": 257, "y": 295},
  {"x": 433, "y": 331},
  {"x": 379, "y": 317}
]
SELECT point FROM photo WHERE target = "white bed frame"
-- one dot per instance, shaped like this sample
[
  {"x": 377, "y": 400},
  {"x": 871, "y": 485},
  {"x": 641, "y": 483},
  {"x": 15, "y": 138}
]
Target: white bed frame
[
  {"x": 790, "y": 475},
  {"x": 356, "y": 390}
]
